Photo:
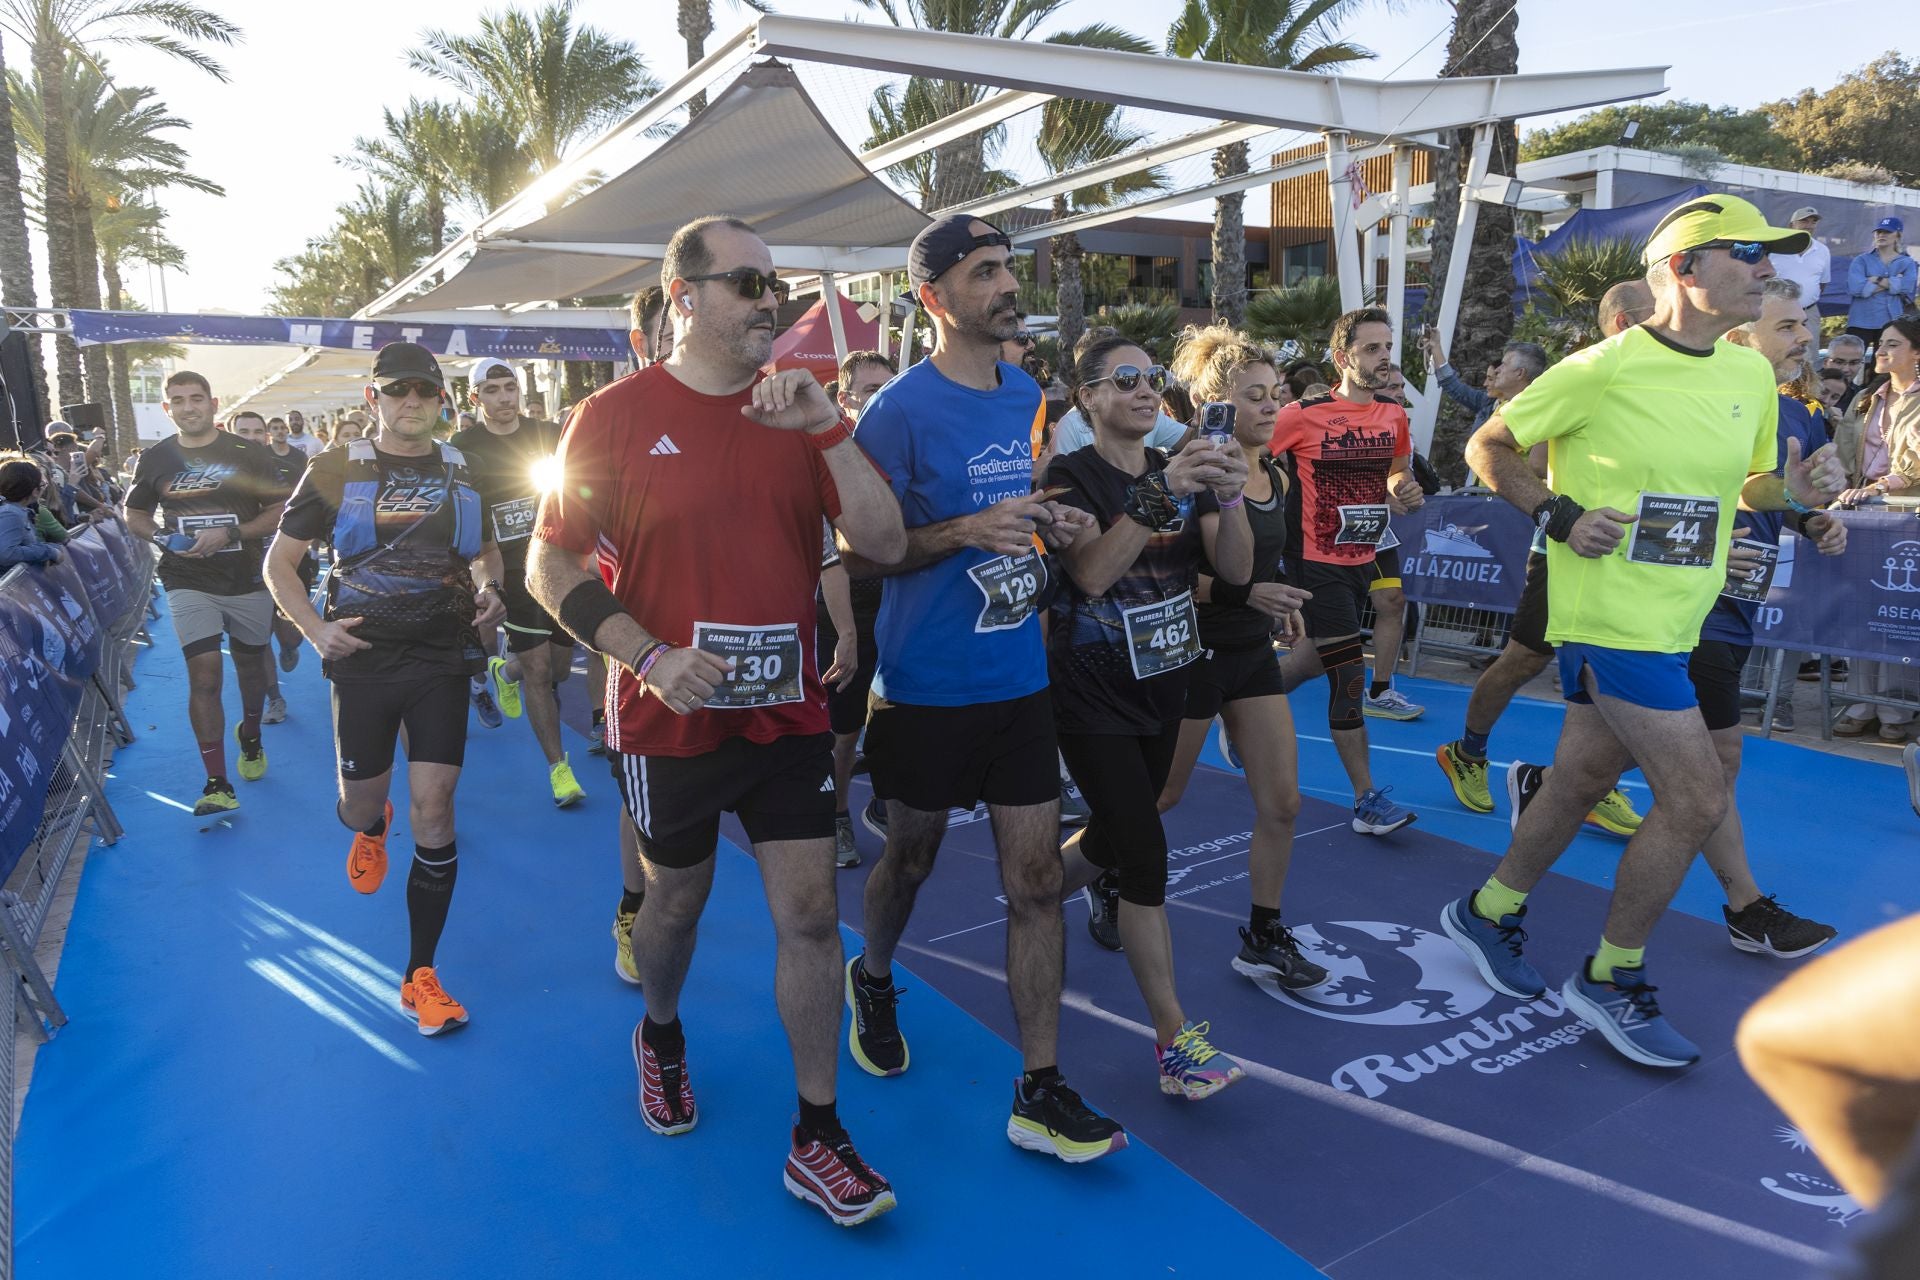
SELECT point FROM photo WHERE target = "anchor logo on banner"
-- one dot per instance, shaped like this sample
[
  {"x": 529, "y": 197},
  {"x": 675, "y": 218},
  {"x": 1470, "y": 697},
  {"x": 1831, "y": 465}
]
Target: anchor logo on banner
[{"x": 1901, "y": 568}]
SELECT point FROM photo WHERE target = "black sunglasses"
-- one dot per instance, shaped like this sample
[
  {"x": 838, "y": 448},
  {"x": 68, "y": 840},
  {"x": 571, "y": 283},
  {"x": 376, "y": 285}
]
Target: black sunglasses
[
  {"x": 1024, "y": 338},
  {"x": 1126, "y": 377},
  {"x": 420, "y": 387},
  {"x": 750, "y": 282}
]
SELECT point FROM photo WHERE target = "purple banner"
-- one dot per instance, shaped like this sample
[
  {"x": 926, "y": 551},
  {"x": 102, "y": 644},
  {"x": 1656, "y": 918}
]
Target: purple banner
[
  {"x": 42, "y": 656},
  {"x": 1464, "y": 550},
  {"x": 509, "y": 342},
  {"x": 1864, "y": 604}
]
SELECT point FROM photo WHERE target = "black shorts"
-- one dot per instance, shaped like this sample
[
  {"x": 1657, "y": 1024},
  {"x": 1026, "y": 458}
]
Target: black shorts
[
  {"x": 1230, "y": 674},
  {"x": 780, "y": 790},
  {"x": 1714, "y": 667},
  {"x": 526, "y": 623},
  {"x": 1339, "y": 596},
  {"x": 368, "y": 716},
  {"x": 847, "y": 708},
  {"x": 1386, "y": 568},
  {"x": 939, "y": 758},
  {"x": 1529, "y": 627}
]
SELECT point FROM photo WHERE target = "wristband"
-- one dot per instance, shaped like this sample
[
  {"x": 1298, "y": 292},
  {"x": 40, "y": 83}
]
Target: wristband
[
  {"x": 647, "y": 657},
  {"x": 586, "y": 607},
  {"x": 825, "y": 440},
  {"x": 1557, "y": 516},
  {"x": 1230, "y": 593},
  {"x": 1237, "y": 500},
  {"x": 1794, "y": 504}
]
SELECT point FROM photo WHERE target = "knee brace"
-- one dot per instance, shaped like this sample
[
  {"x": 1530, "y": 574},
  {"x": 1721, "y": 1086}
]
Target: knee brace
[{"x": 1346, "y": 664}]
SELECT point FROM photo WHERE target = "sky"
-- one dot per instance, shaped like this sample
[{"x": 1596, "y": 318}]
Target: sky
[{"x": 301, "y": 90}]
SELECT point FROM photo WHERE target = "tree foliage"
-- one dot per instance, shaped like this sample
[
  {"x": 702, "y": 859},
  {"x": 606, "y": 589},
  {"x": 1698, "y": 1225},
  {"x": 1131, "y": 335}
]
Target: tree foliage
[
  {"x": 1743, "y": 136},
  {"x": 1872, "y": 116}
]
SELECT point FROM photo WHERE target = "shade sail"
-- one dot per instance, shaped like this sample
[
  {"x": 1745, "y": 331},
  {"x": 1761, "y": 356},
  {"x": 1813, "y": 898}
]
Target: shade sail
[{"x": 761, "y": 151}]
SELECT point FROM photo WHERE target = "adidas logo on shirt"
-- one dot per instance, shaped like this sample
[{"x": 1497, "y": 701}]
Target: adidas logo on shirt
[
  {"x": 828, "y": 784},
  {"x": 663, "y": 446}
]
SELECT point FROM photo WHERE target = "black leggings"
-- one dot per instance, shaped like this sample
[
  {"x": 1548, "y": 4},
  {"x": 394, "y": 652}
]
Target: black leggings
[{"x": 1121, "y": 777}]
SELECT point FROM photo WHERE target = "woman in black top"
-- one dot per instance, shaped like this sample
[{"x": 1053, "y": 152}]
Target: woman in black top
[
  {"x": 1123, "y": 636},
  {"x": 1238, "y": 679}
]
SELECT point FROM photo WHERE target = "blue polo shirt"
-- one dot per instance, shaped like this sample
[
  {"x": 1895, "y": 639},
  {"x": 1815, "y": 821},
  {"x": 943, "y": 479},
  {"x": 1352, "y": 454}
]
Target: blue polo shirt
[
  {"x": 951, "y": 451},
  {"x": 1731, "y": 621}
]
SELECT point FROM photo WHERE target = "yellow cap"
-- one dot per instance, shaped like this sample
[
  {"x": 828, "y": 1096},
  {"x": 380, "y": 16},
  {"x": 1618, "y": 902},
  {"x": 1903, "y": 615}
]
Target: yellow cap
[{"x": 1718, "y": 218}]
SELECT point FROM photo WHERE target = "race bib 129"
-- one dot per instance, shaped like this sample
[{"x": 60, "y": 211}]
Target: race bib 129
[{"x": 1011, "y": 587}]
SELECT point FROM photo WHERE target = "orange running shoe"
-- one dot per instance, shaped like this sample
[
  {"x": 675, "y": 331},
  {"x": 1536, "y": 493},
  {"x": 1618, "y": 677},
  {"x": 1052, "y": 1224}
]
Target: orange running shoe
[
  {"x": 367, "y": 859},
  {"x": 425, "y": 999}
]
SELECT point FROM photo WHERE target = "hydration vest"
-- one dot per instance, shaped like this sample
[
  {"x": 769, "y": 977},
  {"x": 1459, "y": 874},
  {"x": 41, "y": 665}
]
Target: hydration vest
[{"x": 354, "y": 531}]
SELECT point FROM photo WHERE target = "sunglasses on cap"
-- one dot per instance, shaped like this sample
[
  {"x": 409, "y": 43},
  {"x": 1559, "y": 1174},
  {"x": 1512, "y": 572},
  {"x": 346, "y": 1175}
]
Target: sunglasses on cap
[
  {"x": 750, "y": 282},
  {"x": 1126, "y": 377},
  {"x": 418, "y": 386}
]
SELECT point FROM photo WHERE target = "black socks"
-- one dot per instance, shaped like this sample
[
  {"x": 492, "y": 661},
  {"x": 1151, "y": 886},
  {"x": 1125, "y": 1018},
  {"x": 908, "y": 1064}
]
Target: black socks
[{"x": 429, "y": 894}]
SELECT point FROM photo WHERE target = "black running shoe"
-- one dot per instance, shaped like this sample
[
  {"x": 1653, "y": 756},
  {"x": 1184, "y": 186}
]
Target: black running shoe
[
  {"x": 1103, "y": 910},
  {"x": 873, "y": 1034},
  {"x": 874, "y": 817},
  {"x": 1275, "y": 954},
  {"x": 1052, "y": 1119},
  {"x": 1523, "y": 784},
  {"x": 1766, "y": 928}
]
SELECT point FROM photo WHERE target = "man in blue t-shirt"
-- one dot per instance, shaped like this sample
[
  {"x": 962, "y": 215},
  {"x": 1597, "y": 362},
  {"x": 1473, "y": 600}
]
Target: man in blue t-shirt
[{"x": 960, "y": 711}]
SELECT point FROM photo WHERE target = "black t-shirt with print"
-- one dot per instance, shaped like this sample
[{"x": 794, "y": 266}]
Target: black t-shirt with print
[
  {"x": 226, "y": 481},
  {"x": 1238, "y": 625},
  {"x": 1090, "y": 658},
  {"x": 413, "y": 491},
  {"x": 508, "y": 470}
]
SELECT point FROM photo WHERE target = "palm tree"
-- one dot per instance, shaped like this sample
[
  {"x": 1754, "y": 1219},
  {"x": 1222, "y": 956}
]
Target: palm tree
[
  {"x": 899, "y": 110},
  {"x": 552, "y": 82},
  {"x": 57, "y": 30},
  {"x": 419, "y": 151},
  {"x": 1293, "y": 35},
  {"x": 16, "y": 250},
  {"x": 696, "y": 24},
  {"x": 382, "y": 235},
  {"x": 1302, "y": 314},
  {"x": 129, "y": 231}
]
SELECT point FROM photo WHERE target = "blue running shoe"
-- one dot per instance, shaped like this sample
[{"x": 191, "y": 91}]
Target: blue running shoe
[
  {"x": 1625, "y": 1012},
  {"x": 1227, "y": 749},
  {"x": 1376, "y": 815},
  {"x": 1494, "y": 948}
]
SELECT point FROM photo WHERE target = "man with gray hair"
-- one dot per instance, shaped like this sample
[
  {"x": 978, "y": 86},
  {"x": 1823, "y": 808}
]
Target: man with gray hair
[
  {"x": 1808, "y": 271},
  {"x": 1520, "y": 363},
  {"x": 1848, "y": 354}
]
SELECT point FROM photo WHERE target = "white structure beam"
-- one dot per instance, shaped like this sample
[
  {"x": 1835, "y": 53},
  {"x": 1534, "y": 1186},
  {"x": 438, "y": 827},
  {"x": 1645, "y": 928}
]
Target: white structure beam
[
  {"x": 984, "y": 114},
  {"x": 1397, "y": 246},
  {"x": 1457, "y": 259},
  {"x": 1179, "y": 148}
]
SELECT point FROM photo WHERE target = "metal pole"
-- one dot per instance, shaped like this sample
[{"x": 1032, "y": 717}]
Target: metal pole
[
  {"x": 1456, "y": 280},
  {"x": 886, "y": 314},
  {"x": 1397, "y": 246},
  {"x": 830, "y": 299},
  {"x": 1340, "y": 204}
]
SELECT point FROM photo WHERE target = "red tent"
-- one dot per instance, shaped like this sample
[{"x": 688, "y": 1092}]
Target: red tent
[{"x": 808, "y": 344}]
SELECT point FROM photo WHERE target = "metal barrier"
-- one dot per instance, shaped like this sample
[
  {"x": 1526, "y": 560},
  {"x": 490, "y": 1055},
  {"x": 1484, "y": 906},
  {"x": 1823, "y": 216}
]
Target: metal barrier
[{"x": 1455, "y": 631}]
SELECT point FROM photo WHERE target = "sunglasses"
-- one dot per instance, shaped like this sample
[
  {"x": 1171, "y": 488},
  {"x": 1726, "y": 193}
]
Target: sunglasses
[
  {"x": 1126, "y": 377},
  {"x": 418, "y": 386},
  {"x": 750, "y": 282},
  {"x": 1024, "y": 338},
  {"x": 1747, "y": 251}
]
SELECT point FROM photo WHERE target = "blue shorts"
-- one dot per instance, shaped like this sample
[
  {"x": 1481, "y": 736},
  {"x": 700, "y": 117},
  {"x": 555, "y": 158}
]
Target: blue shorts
[{"x": 1657, "y": 681}]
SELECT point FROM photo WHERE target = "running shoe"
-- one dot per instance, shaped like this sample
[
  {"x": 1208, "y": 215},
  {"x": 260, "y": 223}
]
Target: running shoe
[
  {"x": 1376, "y": 815},
  {"x": 873, "y": 1033},
  {"x": 1625, "y": 1012},
  {"x": 1494, "y": 947},
  {"x": 1073, "y": 810},
  {"x": 483, "y": 704},
  {"x": 566, "y": 788},
  {"x": 367, "y": 858},
  {"x": 1276, "y": 954},
  {"x": 1230, "y": 752},
  {"x": 1848, "y": 726},
  {"x": 253, "y": 757},
  {"x": 1766, "y": 928},
  {"x": 1614, "y": 815},
  {"x": 1103, "y": 910},
  {"x": 874, "y": 817},
  {"x": 1811, "y": 670},
  {"x": 623, "y": 962},
  {"x": 289, "y": 656},
  {"x": 1193, "y": 1067},
  {"x": 597, "y": 738},
  {"x": 276, "y": 710},
  {"x": 1393, "y": 705},
  {"x": 824, "y": 1170},
  {"x": 666, "y": 1094},
  {"x": 1783, "y": 717},
  {"x": 217, "y": 798},
  {"x": 845, "y": 852},
  {"x": 428, "y": 1001},
  {"x": 1052, "y": 1120},
  {"x": 1523, "y": 784},
  {"x": 506, "y": 692},
  {"x": 1910, "y": 756},
  {"x": 1467, "y": 777}
]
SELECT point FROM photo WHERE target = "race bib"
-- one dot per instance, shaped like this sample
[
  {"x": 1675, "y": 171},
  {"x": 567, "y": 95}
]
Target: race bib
[
  {"x": 1011, "y": 586},
  {"x": 192, "y": 525},
  {"x": 1364, "y": 523},
  {"x": 513, "y": 520},
  {"x": 1162, "y": 636},
  {"x": 1675, "y": 530},
  {"x": 766, "y": 663},
  {"x": 1753, "y": 588}
]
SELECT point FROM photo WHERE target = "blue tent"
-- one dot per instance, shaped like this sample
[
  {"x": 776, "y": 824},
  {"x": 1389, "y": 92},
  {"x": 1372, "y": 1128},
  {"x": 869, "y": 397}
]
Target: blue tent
[{"x": 1630, "y": 222}]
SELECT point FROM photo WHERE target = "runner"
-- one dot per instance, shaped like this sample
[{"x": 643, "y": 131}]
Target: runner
[
  {"x": 288, "y": 464},
  {"x": 219, "y": 498},
  {"x": 1653, "y": 437},
  {"x": 511, "y": 458},
  {"x": 960, "y": 712},
  {"x": 1527, "y": 653},
  {"x": 1238, "y": 676},
  {"x": 669, "y": 474},
  {"x": 298, "y": 437},
  {"x": 1349, "y": 459},
  {"x": 1123, "y": 634},
  {"x": 398, "y": 639}
]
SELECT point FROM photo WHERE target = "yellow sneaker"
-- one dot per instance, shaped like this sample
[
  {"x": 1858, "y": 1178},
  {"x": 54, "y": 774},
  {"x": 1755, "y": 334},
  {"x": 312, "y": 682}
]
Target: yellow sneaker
[
  {"x": 1614, "y": 815},
  {"x": 1468, "y": 778},
  {"x": 217, "y": 798},
  {"x": 566, "y": 787},
  {"x": 506, "y": 693},
  {"x": 623, "y": 963},
  {"x": 252, "y": 767}
]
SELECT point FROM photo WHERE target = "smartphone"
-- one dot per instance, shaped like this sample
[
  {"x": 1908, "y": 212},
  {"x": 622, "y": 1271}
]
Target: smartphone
[{"x": 1216, "y": 422}]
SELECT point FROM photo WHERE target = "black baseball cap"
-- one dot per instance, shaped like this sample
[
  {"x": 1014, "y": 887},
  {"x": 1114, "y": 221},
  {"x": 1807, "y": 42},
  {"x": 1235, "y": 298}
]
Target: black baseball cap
[
  {"x": 944, "y": 242},
  {"x": 407, "y": 360}
]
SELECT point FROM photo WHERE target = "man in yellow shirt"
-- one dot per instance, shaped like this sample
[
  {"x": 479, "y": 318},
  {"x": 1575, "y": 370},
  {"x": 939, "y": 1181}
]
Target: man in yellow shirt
[{"x": 1654, "y": 439}]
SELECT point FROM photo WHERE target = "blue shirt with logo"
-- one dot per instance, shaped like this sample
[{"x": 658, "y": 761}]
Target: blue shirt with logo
[
  {"x": 1731, "y": 621},
  {"x": 952, "y": 451}
]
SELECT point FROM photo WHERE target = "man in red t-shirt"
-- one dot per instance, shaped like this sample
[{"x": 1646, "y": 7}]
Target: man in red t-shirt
[
  {"x": 1350, "y": 458},
  {"x": 703, "y": 486}
]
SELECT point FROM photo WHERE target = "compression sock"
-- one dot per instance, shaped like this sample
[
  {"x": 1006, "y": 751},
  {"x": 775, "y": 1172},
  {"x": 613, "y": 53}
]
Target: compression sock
[
  {"x": 630, "y": 902},
  {"x": 429, "y": 894},
  {"x": 819, "y": 1118},
  {"x": 1263, "y": 919},
  {"x": 1609, "y": 957},
  {"x": 1496, "y": 900},
  {"x": 214, "y": 756},
  {"x": 1474, "y": 745}
]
